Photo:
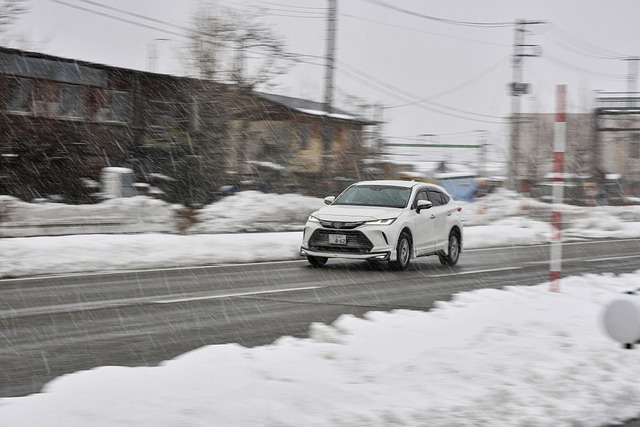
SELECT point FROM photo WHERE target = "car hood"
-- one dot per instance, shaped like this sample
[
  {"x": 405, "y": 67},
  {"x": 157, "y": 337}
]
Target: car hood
[{"x": 355, "y": 213}]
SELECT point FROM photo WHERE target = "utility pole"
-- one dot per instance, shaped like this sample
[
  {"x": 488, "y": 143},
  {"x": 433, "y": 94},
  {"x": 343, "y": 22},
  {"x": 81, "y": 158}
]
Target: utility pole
[
  {"x": 153, "y": 57},
  {"x": 482, "y": 161},
  {"x": 327, "y": 134},
  {"x": 331, "y": 46},
  {"x": 518, "y": 88},
  {"x": 632, "y": 79}
]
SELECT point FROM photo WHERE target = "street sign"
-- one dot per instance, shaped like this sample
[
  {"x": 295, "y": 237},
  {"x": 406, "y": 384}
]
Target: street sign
[{"x": 518, "y": 89}]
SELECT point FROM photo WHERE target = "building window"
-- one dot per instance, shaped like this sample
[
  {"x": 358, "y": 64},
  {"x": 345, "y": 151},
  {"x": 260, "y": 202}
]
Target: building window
[
  {"x": 110, "y": 105},
  {"x": 162, "y": 113},
  {"x": 304, "y": 135},
  {"x": 328, "y": 134},
  {"x": 121, "y": 105},
  {"x": 71, "y": 101},
  {"x": 19, "y": 95},
  {"x": 354, "y": 139},
  {"x": 635, "y": 146}
]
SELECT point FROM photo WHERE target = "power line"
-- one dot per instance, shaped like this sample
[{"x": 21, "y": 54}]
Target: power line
[
  {"x": 460, "y": 86},
  {"x": 574, "y": 67},
  {"x": 580, "y": 46},
  {"x": 443, "y": 20},
  {"x": 299, "y": 11},
  {"x": 408, "y": 94},
  {"x": 424, "y": 31},
  {"x": 404, "y": 96},
  {"x": 186, "y": 30},
  {"x": 323, "y": 9},
  {"x": 126, "y": 12},
  {"x": 127, "y": 21}
]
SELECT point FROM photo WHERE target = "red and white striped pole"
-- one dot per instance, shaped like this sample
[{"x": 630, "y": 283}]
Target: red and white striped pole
[{"x": 555, "y": 270}]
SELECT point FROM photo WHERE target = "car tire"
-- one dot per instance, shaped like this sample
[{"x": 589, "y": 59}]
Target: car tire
[
  {"x": 403, "y": 252},
  {"x": 450, "y": 257},
  {"x": 317, "y": 261}
]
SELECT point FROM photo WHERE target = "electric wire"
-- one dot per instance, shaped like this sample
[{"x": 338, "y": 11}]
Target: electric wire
[
  {"x": 405, "y": 96},
  {"x": 566, "y": 64},
  {"x": 186, "y": 30},
  {"x": 443, "y": 20},
  {"x": 578, "y": 45},
  {"x": 127, "y": 21},
  {"x": 459, "y": 86},
  {"x": 360, "y": 18}
]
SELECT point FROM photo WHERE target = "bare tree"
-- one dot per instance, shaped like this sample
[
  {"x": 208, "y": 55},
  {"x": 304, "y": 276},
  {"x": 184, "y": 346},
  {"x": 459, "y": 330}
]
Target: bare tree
[
  {"x": 10, "y": 11},
  {"x": 232, "y": 47}
]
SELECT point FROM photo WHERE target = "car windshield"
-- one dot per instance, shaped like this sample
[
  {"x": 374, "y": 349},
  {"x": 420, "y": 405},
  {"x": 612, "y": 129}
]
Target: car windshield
[{"x": 375, "y": 195}]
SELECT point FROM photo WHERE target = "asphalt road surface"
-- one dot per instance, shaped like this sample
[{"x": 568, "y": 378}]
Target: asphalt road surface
[{"x": 54, "y": 325}]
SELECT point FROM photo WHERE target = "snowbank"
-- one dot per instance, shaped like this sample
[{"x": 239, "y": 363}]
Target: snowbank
[
  {"x": 123, "y": 215},
  {"x": 251, "y": 211},
  {"x": 521, "y": 356}
]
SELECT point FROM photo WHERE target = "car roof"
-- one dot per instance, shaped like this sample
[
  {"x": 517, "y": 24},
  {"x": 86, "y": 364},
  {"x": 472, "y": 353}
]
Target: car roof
[{"x": 401, "y": 183}]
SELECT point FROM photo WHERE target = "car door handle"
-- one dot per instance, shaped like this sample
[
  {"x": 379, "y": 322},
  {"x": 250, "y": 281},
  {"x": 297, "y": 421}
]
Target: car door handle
[{"x": 433, "y": 216}]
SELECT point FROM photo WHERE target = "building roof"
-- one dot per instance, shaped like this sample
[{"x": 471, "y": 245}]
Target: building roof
[
  {"x": 312, "y": 108},
  {"x": 39, "y": 65}
]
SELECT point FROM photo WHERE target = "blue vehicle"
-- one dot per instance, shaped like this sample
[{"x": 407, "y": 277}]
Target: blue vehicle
[{"x": 460, "y": 185}]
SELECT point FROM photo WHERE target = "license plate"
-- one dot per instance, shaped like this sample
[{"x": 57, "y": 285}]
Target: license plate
[{"x": 338, "y": 239}]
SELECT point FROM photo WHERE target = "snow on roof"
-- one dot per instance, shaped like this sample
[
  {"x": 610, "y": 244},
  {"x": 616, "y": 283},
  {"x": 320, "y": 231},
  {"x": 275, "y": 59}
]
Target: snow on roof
[
  {"x": 269, "y": 165},
  {"x": 116, "y": 169},
  {"x": 455, "y": 175},
  {"x": 312, "y": 107}
]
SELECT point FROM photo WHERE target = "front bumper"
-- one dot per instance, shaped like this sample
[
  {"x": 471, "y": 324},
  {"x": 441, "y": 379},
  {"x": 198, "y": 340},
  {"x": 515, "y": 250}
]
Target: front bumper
[
  {"x": 364, "y": 243},
  {"x": 372, "y": 256}
]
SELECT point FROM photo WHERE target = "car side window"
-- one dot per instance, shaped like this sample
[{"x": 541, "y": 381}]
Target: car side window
[
  {"x": 436, "y": 198},
  {"x": 421, "y": 195}
]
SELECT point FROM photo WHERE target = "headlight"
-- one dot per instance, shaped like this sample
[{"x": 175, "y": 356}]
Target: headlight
[
  {"x": 313, "y": 219},
  {"x": 387, "y": 221}
]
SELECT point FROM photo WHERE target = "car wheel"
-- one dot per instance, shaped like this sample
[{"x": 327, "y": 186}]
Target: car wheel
[
  {"x": 403, "y": 253},
  {"x": 450, "y": 258},
  {"x": 317, "y": 261}
]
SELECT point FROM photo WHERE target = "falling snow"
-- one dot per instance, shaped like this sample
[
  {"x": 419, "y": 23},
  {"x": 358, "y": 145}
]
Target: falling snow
[{"x": 520, "y": 356}]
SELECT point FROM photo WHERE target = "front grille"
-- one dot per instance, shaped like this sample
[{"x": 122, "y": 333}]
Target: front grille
[
  {"x": 340, "y": 225},
  {"x": 357, "y": 242}
]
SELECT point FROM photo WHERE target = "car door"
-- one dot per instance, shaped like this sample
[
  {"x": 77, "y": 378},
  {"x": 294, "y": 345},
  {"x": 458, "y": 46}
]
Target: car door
[
  {"x": 438, "y": 219},
  {"x": 423, "y": 239}
]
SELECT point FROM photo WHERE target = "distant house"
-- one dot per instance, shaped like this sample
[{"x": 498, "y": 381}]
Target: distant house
[
  {"x": 598, "y": 144},
  {"x": 63, "y": 120},
  {"x": 295, "y": 143}
]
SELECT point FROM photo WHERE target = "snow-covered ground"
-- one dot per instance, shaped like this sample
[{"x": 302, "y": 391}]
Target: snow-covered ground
[
  {"x": 229, "y": 232},
  {"x": 520, "y": 356}
]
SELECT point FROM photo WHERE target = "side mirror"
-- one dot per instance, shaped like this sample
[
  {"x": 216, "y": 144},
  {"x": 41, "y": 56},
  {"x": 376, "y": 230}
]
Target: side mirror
[
  {"x": 423, "y": 204},
  {"x": 329, "y": 199}
]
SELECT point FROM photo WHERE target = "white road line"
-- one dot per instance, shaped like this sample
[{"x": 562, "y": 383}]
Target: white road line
[
  {"x": 547, "y": 261},
  {"x": 150, "y": 270},
  {"x": 538, "y": 245},
  {"x": 238, "y": 294},
  {"x": 613, "y": 258},
  {"x": 461, "y": 273}
]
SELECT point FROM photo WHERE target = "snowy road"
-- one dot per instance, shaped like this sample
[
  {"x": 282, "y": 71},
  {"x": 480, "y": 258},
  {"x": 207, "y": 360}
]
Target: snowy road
[{"x": 57, "y": 325}]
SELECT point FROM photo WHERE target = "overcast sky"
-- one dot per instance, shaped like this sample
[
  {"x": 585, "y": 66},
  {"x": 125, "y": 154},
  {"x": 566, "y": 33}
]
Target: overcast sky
[{"x": 445, "y": 76}]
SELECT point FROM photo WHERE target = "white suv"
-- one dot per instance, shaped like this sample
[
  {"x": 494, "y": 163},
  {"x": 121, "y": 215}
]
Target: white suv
[{"x": 385, "y": 221}]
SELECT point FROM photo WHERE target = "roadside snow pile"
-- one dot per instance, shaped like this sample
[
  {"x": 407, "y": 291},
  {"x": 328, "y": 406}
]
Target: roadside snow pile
[
  {"x": 254, "y": 211},
  {"x": 504, "y": 203},
  {"x": 251, "y": 211},
  {"x": 500, "y": 204},
  {"x": 520, "y": 356},
  {"x": 121, "y": 215},
  {"x": 512, "y": 231}
]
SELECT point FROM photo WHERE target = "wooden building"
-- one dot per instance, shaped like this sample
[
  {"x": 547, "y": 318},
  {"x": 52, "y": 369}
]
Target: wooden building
[{"x": 63, "y": 120}]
